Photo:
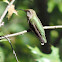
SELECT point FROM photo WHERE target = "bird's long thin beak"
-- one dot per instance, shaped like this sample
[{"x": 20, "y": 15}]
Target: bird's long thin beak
[{"x": 22, "y": 10}]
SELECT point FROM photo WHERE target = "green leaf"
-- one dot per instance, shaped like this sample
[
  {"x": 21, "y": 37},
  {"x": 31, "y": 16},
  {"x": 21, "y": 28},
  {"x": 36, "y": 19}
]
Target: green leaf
[
  {"x": 54, "y": 35},
  {"x": 60, "y": 6},
  {"x": 51, "y": 4},
  {"x": 2, "y": 7},
  {"x": 41, "y": 57},
  {"x": 1, "y": 55}
]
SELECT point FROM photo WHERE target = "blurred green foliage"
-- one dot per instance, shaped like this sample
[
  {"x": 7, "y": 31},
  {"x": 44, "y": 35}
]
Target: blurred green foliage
[
  {"x": 53, "y": 3},
  {"x": 1, "y": 55},
  {"x": 50, "y": 13},
  {"x": 41, "y": 57},
  {"x": 2, "y": 7}
]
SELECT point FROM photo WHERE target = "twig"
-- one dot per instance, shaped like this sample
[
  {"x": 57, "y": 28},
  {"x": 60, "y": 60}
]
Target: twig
[
  {"x": 25, "y": 31},
  {"x": 52, "y": 27},
  {"x": 4, "y": 13},
  {"x": 15, "y": 34},
  {"x": 12, "y": 48}
]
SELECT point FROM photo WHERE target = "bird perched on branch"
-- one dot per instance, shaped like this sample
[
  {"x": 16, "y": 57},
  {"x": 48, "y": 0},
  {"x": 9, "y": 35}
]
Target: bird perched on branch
[{"x": 36, "y": 25}]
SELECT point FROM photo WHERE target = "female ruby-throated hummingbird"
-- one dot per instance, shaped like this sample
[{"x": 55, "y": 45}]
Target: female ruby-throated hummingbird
[{"x": 36, "y": 25}]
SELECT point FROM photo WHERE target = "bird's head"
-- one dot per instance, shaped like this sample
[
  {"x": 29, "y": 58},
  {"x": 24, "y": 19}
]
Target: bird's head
[{"x": 30, "y": 13}]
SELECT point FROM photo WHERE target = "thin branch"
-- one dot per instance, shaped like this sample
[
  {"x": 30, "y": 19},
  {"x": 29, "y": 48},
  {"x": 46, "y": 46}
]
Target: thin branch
[
  {"x": 12, "y": 48},
  {"x": 15, "y": 34},
  {"x": 4, "y": 13},
  {"x": 25, "y": 31},
  {"x": 52, "y": 27}
]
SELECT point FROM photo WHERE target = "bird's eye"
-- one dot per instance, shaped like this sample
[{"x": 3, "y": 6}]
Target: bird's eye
[{"x": 28, "y": 11}]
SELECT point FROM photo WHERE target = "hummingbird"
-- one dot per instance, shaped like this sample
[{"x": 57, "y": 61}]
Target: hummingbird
[{"x": 35, "y": 25}]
